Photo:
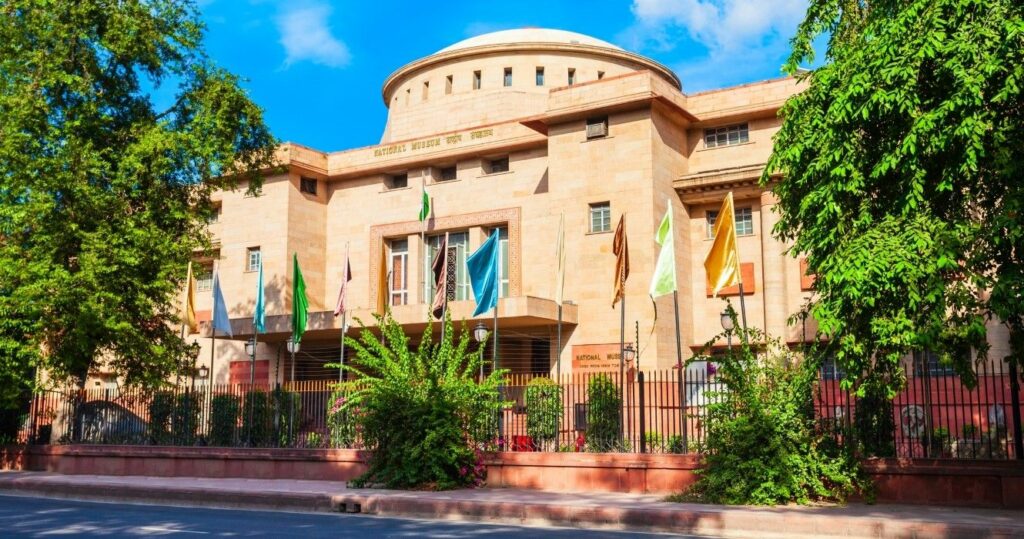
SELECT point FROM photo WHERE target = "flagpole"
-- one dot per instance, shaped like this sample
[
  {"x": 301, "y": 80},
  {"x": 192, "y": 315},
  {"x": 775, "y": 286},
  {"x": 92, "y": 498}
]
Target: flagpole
[
  {"x": 622, "y": 361},
  {"x": 558, "y": 349},
  {"x": 682, "y": 374},
  {"x": 444, "y": 311},
  {"x": 739, "y": 277},
  {"x": 213, "y": 348},
  {"x": 344, "y": 318},
  {"x": 497, "y": 296}
]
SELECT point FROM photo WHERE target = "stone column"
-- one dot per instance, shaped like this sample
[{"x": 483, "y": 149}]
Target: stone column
[{"x": 773, "y": 271}]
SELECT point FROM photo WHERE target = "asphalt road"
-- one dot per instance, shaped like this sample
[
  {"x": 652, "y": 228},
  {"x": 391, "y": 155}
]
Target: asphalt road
[{"x": 45, "y": 517}]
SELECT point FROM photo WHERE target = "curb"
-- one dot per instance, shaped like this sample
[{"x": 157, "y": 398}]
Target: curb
[{"x": 711, "y": 522}]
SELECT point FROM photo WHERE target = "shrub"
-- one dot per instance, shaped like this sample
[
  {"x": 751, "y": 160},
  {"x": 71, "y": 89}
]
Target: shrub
[
  {"x": 161, "y": 407},
  {"x": 675, "y": 444},
  {"x": 873, "y": 419},
  {"x": 340, "y": 420},
  {"x": 185, "y": 420},
  {"x": 286, "y": 436},
  {"x": 313, "y": 440},
  {"x": 224, "y": 412},
  {"x": 257, "y": 424},
  {"x": 418, "y": 408},
  {"x": 543, "y": 410},
  {"x": 762, "y": 445},
  {"x": 655, "y": 442},
  {"x": 604, "y": 419}
]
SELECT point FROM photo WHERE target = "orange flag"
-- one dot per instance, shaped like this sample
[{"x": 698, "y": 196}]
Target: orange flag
[
  {"x": 620, "y": 247},
  {"x": 723, "y": 262},
  {"x": 190, "y": 302},
  {"x": 383, "y": 290}
]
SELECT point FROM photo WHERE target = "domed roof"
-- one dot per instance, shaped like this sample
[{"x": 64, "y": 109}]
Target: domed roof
[{"x": 529, "y": 35}]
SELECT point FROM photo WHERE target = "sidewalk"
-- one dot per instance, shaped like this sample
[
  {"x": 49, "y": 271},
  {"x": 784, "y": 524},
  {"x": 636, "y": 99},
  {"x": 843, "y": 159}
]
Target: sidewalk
[{"x": 585, "y": 510}]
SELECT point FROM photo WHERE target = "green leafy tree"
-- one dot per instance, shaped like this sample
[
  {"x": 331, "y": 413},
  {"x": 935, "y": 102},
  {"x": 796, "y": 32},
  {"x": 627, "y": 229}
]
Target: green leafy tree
[
  {"x": 103, "y": 196},
  {"x": 901, "y": 165},
  {"x": 420, "y": 408},
  {"x": 543, "y": 410},
  {"x": 604, "y": 415}
]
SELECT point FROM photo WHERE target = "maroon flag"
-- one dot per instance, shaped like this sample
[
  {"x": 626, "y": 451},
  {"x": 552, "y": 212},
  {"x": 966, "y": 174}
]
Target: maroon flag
[
  {"x": 440, "y": 273},
  {"x": 340, "y": 307}
]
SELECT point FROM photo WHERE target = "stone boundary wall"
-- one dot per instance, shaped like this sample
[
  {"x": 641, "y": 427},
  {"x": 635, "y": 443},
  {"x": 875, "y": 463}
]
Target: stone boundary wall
[{"x": 997, "y": 484}]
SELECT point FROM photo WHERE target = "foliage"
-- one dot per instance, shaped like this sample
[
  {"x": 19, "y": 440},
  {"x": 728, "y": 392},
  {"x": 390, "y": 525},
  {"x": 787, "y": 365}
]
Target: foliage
[
  {"x": 161, "y": 408},
  {"x": 418, "y": 407},
  {"x": 341, "y": 421},
  {"x": 604, "y": 419},
  {"x": 103, "y": 196},
  {"x": 185, "y": 421},
  {"x": 675, "y": 444},
  {"x": 901, "y": 164},
  {"x": 762, "y": 444},
  {"x": 543, "y": 410},
  {"x": 224, "y": 411},
  {"x": 257, "y": 419},
  {"x": 873, "y": 420},
  {"x": 286, "y": 436}
]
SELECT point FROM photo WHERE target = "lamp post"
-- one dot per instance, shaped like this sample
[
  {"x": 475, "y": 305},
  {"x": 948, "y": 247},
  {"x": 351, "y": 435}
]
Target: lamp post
[
  {"x": 204, "y": 372},
  {"x": 628, "y": 353},
  {"x": 480, "y": 334},
  {"x": 727, "y": 325},
  {"x": 293, "y": 347},
  {"x": 250, "y": 350}
]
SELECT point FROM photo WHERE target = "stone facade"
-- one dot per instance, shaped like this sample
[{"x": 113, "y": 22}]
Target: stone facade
[{"x": 655, "y": 152}]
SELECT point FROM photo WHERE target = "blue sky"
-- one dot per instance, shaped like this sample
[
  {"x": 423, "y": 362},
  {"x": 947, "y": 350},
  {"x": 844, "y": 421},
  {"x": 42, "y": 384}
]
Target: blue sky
[{"x": 317, "y": 66}]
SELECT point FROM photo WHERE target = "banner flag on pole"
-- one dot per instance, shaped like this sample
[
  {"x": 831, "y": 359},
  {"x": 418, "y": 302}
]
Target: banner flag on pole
[
  {"x": 483, "y": 274},
  {"x": 439, "y": 271},
  {"x": 190, "y": 302},
  {"x": 664, "y": 279},
  {"x": 620, "y": 247},
  {"x": 300, "y": 303},
  {"x": 259, "y": 315},
  {"x": 383, "y": 290},
  {"x": 339, "y": 308},
  {"x": 425, "y": 203},
  {"x": 221, "y": 322},
  {"x": 723, "y": 262},
  {"x": 560, "y": 257}
]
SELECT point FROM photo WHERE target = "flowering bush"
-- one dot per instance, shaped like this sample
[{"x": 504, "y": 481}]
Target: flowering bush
[{"x": 419, "y": 409}]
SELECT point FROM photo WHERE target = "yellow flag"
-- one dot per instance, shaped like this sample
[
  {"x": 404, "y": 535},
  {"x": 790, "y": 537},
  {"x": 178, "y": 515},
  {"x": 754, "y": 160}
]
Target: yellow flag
[
  {"x": 723, "y": 262},
  {"x": 190, "y": 302},
  {"x": 383, "y": 288}
]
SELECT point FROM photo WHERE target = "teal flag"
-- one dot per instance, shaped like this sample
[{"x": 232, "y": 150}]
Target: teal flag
[
  {"x": 664, "y": 279},
  {"x": 260, "y": 315},
  {"x": 300, "y": 303},
  {"x": 221, "y": 322},
  {"x": 483, "y": 274}
]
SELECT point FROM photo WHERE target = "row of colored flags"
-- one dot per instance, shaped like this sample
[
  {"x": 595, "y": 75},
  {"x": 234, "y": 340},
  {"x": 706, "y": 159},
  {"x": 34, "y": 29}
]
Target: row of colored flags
[{"x": 721, "y": 265}]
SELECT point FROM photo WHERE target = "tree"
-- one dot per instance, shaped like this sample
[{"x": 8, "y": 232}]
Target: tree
[
  {"x": 901, "y": 169},
  {"x": 104, "y": 198}
]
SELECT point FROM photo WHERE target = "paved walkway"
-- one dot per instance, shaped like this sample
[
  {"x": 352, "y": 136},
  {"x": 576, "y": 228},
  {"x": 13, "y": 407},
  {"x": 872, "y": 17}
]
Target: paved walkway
[{"x": 589, "y": 510}]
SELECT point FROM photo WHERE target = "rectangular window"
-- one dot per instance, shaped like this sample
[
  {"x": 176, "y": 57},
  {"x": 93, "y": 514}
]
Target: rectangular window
[
  {"x": 597, "y": 127},
  {"x": 204, "y": 277},
  {"x": 449, "y": 173},
  {"x": 476, "y": 80},
  {"x": 601, "y": 217},
  {"x": 502, "y": 262},
  {"x": 215, "y": 212},
  {"x": 508, "y": 76},
  {"x": 252, "y": 257},
  {"x": 458, "y": 246},
  {"x": 398, "y": 266},
  {"x": 398, "y": 181},
  {"x": 448, "y": 85},
  {"x": 726, "y": 136},
  {"x": 540, "y": 76},
  {"x": 934, "y": 365},
  {"x": 744, "y": 222},
  {"x": 497, "y": 165},
  {"x": 307, "y": 185},
  {"x": 572, "y": 76},
  {"x": 426, "y": 89},
  {"x": 830, "y": 370}
]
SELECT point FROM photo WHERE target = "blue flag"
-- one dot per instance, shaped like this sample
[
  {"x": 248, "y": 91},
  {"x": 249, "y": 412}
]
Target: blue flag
[
  {"x": 221, "y": 322},
  {"x": 483, "y": 274},
  {"x": 259, "y": 315}
]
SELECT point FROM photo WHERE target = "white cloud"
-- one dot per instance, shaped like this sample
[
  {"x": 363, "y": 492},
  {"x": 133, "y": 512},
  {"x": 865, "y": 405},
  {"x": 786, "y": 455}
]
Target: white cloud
[
  {"x": 738, "y": 35},
  {"x": 306, "y": 36}
]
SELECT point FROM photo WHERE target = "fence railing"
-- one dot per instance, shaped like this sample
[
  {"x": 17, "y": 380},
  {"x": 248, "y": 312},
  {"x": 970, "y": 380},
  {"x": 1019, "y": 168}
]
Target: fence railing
[{"x": 657, "y": 411}]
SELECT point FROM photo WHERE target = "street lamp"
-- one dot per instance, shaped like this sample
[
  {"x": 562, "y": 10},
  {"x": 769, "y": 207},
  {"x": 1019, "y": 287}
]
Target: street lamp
[
  {"x": 480, "y": 332},
  {"x": 250, "y": 350},
  {"x": 628, "y": 353},
  {"x": 727, "y": 325},
  {"x": 293, "y": 348},
  {"x": 250, "y": 347},
  {"x": 204, "y": 371}
]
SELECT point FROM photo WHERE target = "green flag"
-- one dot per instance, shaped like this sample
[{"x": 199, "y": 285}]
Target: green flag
[
  {"x": 300, "y": 303},
  {"x": 425, "y": 205},
  {"x": 664, "y": 279}
]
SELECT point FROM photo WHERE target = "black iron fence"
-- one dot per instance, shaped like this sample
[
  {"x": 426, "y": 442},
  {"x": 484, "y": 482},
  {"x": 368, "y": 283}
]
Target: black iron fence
[{"x": 657, "y": 411}]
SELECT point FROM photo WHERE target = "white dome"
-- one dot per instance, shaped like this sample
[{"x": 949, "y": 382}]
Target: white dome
[{"x": 529, "y": 35}]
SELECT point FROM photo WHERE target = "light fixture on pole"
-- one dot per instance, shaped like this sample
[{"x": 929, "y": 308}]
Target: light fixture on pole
[
  {"x": 628, "y": 353},
  {"x": 727, "y": 325},
  {"x": 293, "y": 348},
  {"x": 250, "y": 350},
  {"x": 250, "y": 347},
  {"x": 204, "y": 371},
  {"x": 480, "y": 334}
]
